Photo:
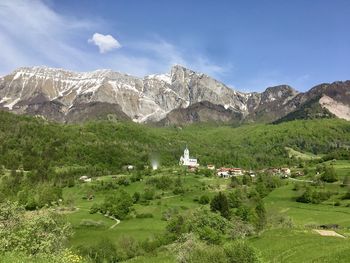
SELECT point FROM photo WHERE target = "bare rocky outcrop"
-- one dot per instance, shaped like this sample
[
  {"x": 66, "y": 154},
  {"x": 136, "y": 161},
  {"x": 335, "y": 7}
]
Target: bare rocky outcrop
[{"x": 178, "y": 97}]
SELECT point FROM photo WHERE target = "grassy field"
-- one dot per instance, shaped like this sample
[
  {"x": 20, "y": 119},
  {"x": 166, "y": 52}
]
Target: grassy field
[
  {"x": 138, "y": 228},
  {"x": 342, "y": 167},
  {"x": 282, "y": 201},
  {"x": 297, "y": 244},
  {"x": 302, "y": 156}
]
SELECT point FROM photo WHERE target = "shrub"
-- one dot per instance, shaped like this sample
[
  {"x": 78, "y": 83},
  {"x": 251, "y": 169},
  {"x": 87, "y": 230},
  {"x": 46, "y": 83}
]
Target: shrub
[
  {"x": 43, "y": 232},
  {"x": 128, "y": 247},
  {"x": 241, "y": 252},
  {"x": 118, "y": 205},
  {"x": 240, "y": 229},
  {"x": 329, "y": 175},
  {"x": 219, "y": 203},
  {"x": 91, "y": 223},
  {"x": 136, "y": 197},
  {"x": 162, "y": 182},
  {"x": 204, "y": 199},
  {"x": 192, "y": 250},
  {"x": 178, "y": 190},
  {"x": 170, "y": 213},
  {"x": 346, "y": 196},
  {"x": 235, "y": 198},
  {"x": 144, "y": 215},
  {"x": 148, "y": 194},
  {"x": 94, "y": 209},
  {"x": 104, "y": 251},
  {"x": 313, "y": 196},
  {"x": 123, "y": 180}
]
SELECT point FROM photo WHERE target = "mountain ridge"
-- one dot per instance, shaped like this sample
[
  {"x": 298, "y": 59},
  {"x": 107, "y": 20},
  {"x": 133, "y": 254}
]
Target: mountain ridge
[{"x": 67, "y": 96}]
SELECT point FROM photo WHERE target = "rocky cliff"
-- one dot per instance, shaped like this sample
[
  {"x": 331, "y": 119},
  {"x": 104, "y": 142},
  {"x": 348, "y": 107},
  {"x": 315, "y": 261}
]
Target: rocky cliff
[{"x": 178, "y": 97}]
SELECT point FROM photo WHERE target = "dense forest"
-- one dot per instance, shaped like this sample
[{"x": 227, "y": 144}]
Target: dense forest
[{"x": 33, "y": 143}]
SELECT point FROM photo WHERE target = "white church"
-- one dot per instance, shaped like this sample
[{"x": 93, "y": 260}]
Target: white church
[{"x": 186, "y": 160}]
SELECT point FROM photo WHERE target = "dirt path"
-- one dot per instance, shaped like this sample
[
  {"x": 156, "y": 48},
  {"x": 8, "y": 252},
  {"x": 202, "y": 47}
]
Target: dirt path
[
  {"x": 300, "y": 180},
  {"x": 115, "y": 219},
  {"x": 328, "y": 233},
  {"x": 171, "y": 196}
]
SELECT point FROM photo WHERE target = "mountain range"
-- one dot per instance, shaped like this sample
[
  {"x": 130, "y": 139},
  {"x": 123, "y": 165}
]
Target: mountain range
[{"x": 180, "y": 97}]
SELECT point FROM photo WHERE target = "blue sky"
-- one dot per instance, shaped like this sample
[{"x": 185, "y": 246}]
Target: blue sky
[{"x": 249, "y": 45}]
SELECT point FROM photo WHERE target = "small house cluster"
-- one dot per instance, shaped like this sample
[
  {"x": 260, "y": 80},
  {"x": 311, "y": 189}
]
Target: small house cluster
[
  {"x": 228, "y": 172},
  {"x": 283, "y": 172}
]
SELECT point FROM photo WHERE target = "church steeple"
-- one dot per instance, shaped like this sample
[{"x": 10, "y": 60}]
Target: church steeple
[{"x": 186, "y": 153}]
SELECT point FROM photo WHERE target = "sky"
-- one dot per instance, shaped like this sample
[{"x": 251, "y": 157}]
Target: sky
[{"x": 249, "y": 45}]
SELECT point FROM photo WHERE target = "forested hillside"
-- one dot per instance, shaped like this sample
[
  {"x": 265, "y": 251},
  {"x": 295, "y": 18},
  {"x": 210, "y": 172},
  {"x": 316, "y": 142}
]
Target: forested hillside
[{"x": 33, "y": 143}]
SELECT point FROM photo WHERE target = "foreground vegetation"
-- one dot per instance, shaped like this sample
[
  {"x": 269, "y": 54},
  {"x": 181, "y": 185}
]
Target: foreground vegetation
[{"x": 170, "y": 214}]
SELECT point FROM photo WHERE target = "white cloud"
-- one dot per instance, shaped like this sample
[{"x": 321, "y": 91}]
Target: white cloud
[
  {"x": 32, "y": 33},
  {"x": 105, "y": 43}
]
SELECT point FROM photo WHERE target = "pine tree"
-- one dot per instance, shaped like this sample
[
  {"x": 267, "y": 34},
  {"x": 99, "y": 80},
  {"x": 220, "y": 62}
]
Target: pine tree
[
  {"x": 261, "y": 214},
  {"x": 219, "y": 203}
]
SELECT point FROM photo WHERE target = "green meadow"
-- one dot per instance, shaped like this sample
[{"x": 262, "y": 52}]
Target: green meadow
[{"x": 299, "y": 243}]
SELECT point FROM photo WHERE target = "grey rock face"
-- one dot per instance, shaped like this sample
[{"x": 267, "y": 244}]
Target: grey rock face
[
  {"x": 66, "y": 96},
  {"x": 148, "y": 99}
]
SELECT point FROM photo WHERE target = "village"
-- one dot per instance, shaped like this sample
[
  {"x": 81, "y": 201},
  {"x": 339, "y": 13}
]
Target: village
[
  {"x": 192, "y": 165},
  {"x": 228, "y": 172}
]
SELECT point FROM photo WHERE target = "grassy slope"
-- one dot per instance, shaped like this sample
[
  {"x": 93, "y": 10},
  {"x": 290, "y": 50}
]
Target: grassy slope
[
  {"x": 298, "y": 244},
  {"x": 302, "y": 156},
  {"x": 139, "y": 228}
]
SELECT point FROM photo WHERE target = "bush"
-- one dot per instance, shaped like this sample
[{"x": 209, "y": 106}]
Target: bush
[
  {"x": 219, "y": 203},
  {"x": 91, "y": 223},
  {"x": 194, "y": 251},
  {"x": 179, "y": 190},
  {"x": 148, "y": 194},
  {"x": 204, "y": 199},
  {"x": 313, "y": 196},
  {"x": 94, "y": 209},
  {"x": 41, "y": 233},
  {"x": 161, "y": 182},
  {"x": 236, "y": 198},
  {"x": 128, "y": 247},
  {"x": 136, "y": 197},
  {"x": 123, "y": 180},
  {"x": 329, "y": 175},
  {"x": 346, "y": 196},
  {"x": 144, "y": 215},
  {"x": 170, "y": 213},
  {"x": 118, "y": 205},
  {"x": 241, "y": 252},
  {"x": 104, "y": 251},
  {"x": 240, "y": 229}
]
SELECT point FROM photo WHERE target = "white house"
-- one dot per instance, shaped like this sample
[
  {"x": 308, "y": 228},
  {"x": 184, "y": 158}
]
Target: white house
[
  {"x": 186, "y": 160},
  {"x": 229, "y": 172},
  {"x": 285, "y": 172},
  {"x": 85, "y": 179},
  {"x": 211, "y": 166}
]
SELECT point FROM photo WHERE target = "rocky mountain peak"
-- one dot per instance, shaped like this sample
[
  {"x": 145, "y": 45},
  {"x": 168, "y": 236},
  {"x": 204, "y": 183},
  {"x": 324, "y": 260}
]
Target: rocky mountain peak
[{"x": 65, "y": 96}]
